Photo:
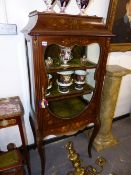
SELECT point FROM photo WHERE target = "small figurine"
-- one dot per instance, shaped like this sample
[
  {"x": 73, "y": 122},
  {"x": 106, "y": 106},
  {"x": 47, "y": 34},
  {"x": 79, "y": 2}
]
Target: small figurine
[
  {"x": 83, "y": 60},
  {"x": 49, "y": 62}
]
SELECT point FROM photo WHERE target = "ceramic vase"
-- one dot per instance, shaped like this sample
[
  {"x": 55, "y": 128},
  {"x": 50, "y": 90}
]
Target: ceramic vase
[
  {"x": 65, "y": 55},
  {"x": 82, "y": 4},
  {"x": 50, "y": 4},
  {"x": 63, "y": 4}
]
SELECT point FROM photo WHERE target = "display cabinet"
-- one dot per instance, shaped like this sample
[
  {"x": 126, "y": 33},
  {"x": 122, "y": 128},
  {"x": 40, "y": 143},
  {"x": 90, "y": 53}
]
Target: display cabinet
[{"x": 63, "y": 100}]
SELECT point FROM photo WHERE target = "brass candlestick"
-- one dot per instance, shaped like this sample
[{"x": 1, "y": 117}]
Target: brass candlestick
[
  {"x": 75, "y": 159},
  {"x": 76, "y": 162}
]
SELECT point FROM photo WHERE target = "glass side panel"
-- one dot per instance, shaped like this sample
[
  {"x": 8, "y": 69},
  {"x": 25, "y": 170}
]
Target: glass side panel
[{"x": 93, "y": 52}]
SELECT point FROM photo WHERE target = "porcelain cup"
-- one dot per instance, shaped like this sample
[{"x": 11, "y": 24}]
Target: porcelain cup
[
  {"x": 80, "y": 76},
  {"x": 64, "y": 81}
]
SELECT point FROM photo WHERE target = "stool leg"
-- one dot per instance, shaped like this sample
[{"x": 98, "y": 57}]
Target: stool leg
[
  {"x": 39, "y": 144},
  {"x": 33, "y": 130},
  {"x": 24, "y": 144}
]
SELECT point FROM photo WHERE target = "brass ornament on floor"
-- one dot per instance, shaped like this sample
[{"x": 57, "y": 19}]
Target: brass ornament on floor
[{"x": 76, "y": 162}]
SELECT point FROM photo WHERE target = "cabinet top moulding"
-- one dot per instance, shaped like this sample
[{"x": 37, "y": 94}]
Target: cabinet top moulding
[{"x": 41, "y": 24}]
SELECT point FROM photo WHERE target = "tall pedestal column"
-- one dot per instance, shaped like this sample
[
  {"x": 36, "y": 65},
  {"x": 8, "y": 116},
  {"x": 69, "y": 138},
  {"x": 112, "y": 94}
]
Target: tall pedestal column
[{"x": 109, "y": 97}]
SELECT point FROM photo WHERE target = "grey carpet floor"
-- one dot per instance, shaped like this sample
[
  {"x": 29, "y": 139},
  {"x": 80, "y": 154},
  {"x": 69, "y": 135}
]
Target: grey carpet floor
[{"x": 118, "y": 157}]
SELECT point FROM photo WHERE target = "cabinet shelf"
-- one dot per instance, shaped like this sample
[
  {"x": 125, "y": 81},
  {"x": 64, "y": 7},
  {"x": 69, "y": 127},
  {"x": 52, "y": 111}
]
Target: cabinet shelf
[
  {"x": 68, "y": 108},
  {"x": 56, "y": 95},
  {"x": 73, "y": 64}
]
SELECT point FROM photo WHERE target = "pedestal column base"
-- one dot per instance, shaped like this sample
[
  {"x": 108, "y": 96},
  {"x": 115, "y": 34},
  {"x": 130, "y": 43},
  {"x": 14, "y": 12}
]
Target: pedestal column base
[
  {"x": 104, "y": 142},
  {"x": 105, "y": 138}
]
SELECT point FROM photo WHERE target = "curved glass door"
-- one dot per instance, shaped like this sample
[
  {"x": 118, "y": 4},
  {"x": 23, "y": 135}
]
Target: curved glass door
[{"x": 70, "y": 72}]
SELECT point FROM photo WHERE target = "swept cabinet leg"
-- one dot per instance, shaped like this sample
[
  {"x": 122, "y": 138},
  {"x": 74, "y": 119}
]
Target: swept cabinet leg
[{"x": 93, "y": 135}]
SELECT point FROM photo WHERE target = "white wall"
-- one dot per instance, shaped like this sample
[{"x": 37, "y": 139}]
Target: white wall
[
  {"x": 13, "y": 70},
  {"x": 122, "y": 59}
]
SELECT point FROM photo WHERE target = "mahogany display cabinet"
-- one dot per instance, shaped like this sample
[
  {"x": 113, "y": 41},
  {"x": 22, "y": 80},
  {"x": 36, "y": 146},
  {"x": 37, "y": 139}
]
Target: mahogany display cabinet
[{"x": 57, "y": 46}]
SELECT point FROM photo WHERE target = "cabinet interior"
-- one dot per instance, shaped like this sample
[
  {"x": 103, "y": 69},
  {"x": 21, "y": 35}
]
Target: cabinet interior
[{"x": 70, "y": 104}]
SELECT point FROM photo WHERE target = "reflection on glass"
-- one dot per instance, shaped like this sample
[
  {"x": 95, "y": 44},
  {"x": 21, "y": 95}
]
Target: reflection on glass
[
  {"x": 49, "y": 84},
  {"x": 90, "y": 80}
]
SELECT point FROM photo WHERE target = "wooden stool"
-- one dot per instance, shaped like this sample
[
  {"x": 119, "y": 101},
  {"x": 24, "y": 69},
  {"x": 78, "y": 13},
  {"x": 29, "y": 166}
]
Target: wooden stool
[
  {"x": 11, "y": 163},
  {"x": 11, "y": 114}
]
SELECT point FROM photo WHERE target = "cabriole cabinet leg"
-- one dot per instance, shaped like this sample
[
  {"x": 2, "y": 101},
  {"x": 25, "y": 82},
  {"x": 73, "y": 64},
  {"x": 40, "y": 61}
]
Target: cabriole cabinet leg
[
  {"x": 93, "y": 135},
  {"x": 41, "y": 152}
]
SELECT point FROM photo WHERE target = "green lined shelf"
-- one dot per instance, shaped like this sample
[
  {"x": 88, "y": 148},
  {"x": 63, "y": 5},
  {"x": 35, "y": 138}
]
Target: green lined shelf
[
  {"x": 56, "y": 95},
  {"x": 74, "y": 64},
  {"x": 68, "y": 108}
]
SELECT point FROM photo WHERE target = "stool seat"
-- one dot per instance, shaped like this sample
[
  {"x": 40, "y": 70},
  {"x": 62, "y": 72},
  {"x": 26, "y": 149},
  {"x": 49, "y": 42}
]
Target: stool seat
[
  {"x": 10, "y": 107},
  {"x": 11, "y": 162}
]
